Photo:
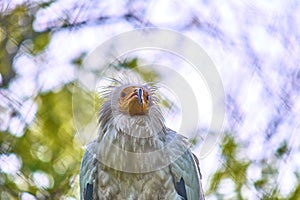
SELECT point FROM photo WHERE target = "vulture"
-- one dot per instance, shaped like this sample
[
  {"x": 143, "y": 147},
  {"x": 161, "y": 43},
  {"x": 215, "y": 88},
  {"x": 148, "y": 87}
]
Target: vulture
[{"x": 135, "y": 156}]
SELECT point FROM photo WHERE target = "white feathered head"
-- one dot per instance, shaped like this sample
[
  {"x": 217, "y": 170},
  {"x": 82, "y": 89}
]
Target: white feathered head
[{"x": 131, "y": 107}]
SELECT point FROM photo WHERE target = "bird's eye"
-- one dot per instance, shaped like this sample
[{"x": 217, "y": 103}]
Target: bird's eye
[{"x": 123, "y": 94}]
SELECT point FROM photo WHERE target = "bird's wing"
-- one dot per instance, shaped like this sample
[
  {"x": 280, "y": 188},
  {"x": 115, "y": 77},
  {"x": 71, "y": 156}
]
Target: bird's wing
[
  {"x": 186, "y": 176},
  {"x": 86, "y": 177}
]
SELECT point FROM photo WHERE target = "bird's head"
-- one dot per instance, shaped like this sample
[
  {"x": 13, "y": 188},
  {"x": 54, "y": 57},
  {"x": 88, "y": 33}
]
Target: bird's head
[
  {"x": 134, "y": 100},
  {"x": 131, "y": 108}
]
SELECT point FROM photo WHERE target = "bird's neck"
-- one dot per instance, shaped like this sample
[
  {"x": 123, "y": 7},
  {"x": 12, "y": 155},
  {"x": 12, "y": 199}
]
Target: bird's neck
[{"x": 134, "y": 134}]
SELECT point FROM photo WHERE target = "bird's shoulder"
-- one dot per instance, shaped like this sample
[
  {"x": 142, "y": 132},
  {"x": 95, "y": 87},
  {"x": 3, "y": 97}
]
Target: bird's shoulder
[{"x": 185, "y": 170}]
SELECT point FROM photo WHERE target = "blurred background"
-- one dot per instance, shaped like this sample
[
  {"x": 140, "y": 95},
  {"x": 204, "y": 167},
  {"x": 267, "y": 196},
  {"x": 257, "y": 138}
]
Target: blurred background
[{"x": 254, "y": 46}]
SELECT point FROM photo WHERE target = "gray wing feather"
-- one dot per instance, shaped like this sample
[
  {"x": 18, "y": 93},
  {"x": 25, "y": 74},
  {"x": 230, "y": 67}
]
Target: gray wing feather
[
  {"x": 85, "y": 177},
  {"x": 187, "y": 177},
  {"x": 180, "y": 188},
  {"x": 88, "y": 192}
]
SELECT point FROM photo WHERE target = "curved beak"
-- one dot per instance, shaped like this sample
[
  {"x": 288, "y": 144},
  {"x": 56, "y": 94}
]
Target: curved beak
[{"x": 140, "y": 96}]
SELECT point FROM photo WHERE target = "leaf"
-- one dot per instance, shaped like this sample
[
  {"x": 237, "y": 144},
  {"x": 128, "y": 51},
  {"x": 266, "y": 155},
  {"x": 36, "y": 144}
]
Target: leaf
[
  {"x": 40, "y": 42},
  {"x": 282, "y": 149}
]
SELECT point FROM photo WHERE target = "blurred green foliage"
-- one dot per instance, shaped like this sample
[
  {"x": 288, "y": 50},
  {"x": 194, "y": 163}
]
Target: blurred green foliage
[
  {"x": 17, "y": 35},
  {"x": 232, "y": 168},
  {"x": 48, "y": 146}
]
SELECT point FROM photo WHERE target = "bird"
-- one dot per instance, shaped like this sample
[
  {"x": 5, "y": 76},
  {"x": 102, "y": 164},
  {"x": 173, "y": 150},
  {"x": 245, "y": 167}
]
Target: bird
[{"x": 135, "y": 155}]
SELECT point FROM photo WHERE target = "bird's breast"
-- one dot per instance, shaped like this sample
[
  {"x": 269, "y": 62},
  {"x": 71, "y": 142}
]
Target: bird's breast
[{"x": 120, "y": 185}]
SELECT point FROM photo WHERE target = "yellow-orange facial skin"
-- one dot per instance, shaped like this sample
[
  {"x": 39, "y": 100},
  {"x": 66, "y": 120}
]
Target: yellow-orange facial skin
[{"x": 134, "y": 100}]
